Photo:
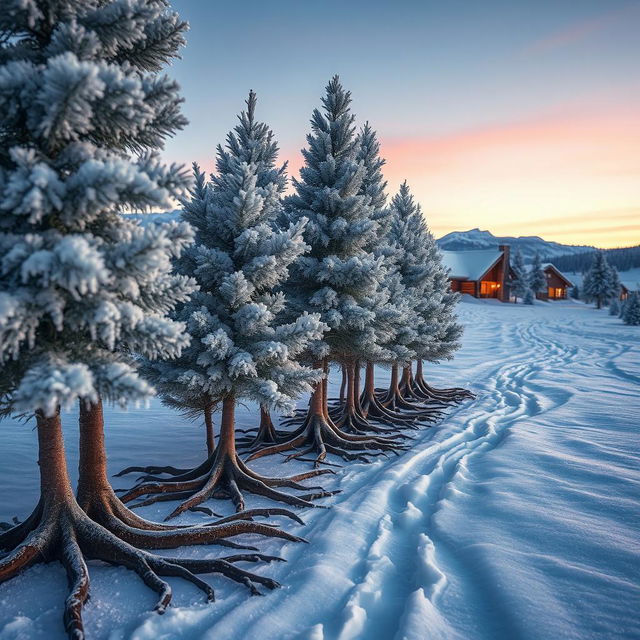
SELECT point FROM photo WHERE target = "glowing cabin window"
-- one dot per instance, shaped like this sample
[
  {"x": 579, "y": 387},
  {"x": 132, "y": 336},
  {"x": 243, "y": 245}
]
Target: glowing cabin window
[{"x": 488, "y": 288}]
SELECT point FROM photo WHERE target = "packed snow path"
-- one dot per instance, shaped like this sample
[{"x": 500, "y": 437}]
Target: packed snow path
[{"x": 518, "y": 517}]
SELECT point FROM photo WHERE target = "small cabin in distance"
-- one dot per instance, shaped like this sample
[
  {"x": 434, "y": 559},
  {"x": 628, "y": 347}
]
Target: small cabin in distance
[
  {"x": 557, "y": 284},
  {"x": 482, "y": 273}
]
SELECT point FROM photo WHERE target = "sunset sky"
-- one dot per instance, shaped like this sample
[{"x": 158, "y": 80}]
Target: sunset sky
[{"x": 518, "y": 117}]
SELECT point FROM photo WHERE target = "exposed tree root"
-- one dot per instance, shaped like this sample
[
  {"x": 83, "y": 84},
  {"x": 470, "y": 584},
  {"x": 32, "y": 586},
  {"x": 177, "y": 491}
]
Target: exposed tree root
[
  {"x": 225, "y": 475},
  {"x": 223, "y": 479},
  {"x": 320, "y": 436},
  {"x": 346, "y": 413},
  {"x": 455, "y": 394},
  {"x": 265, "y": 435},
  {"x": 64, "y": 532},
  {"x": 394, "y": 400},
  {"x": 375, "y": 410},
  {"x": 97, "y": 526},
  {"x": 152, "y": 470}
]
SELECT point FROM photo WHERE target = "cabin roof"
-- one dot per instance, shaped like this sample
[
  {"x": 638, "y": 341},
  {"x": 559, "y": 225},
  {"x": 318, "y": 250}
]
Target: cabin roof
[
  {"x": 470, "y": 265},
  {"x": 550, "y": 265},
  {"x": 629, "y": 285}
]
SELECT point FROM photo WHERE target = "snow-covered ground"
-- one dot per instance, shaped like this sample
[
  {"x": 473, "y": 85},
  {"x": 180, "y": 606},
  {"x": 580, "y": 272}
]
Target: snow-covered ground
[{"x": 517, "y": 517}]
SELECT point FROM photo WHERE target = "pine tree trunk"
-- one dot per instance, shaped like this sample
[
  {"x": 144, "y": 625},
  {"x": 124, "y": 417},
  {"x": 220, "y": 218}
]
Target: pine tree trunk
[
  {"x": 316, "y": 408},
  {"x": 350, "y": 409},
  {"x": 208, "y": 423},
  {"x": 356, "y": 388},
  {"x": 393, "y": 384},
  {"x": 325, "y": 388},
  {"x": 406, "y": 380},
  {"x": 343, "y": 385},
  {"x": 92, "y": 468},
  {"x": 227, "y": 439},
  {"x": 55, "y": 486}
]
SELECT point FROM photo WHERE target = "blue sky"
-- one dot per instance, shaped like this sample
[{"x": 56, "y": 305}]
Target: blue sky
[{"x": 519, "y": 117}]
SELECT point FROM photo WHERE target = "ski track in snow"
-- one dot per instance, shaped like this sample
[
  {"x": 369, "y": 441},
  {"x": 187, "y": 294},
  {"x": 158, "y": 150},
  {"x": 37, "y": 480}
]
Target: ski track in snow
[{"x": 384, "y": 562}]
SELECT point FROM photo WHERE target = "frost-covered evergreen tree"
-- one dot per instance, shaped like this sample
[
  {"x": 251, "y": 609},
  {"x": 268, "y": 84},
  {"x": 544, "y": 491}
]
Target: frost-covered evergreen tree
[
  {"x": 597, "y": 284},
  {"x": 393, "y": 329},
  {"x": 614, "y": 306},
  {"x": 529, "y": 298},
  {"x": 575, "y": 292},
  {"x": 339, "y": 276},
  {"x": 436, "y": 332},
  {"x": 614, "y": 283},
  {"x": 623, "y": 306},
  {"x": 384, "y": 335},
  {"x": 631, "y": 315},
  {"x": 83, "y": 112},
  {"x": 520, "y": 280},
  {"x": 240, "y": 349},
  {"x": 172, "y": 379},
  {"x": 537, "y": 278}
]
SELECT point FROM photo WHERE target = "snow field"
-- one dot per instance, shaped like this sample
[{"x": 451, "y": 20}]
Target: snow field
[{"x": 517, "y": 517}]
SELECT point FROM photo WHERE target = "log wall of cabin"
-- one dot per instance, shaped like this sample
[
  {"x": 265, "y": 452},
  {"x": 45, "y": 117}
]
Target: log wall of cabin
[{"x": 556, "y": 287}]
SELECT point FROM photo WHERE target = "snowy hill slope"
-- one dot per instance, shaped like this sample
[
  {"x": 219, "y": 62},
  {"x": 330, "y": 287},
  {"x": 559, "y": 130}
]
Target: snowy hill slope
[
  {"x": 521, "y": 507},
  {"x": 479, "y": 239}
]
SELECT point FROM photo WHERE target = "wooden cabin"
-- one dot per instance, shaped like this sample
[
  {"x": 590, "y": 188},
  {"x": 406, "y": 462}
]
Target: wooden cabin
[
  {"x": 624, "y": 291},
  {"x": 557, "y": 284},
  {"x": 480, "y": 273}
]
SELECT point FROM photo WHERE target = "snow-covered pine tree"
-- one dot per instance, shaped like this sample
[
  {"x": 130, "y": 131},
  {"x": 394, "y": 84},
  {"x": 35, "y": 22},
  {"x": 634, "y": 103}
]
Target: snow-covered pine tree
[
  {"x": 614, "y": 282},
  {"x": 520, "y": 280},
  {"x": 436, "y": 332},
  {"x": 378, "y": 340},
  {"x": 631, "y": 314},
  {"x": 83, "y": 110},
  {"x": 623, "y": 306},
  {"x": 537, "y": 279},
  {"x": 528, "y": 298},
  {"x": 614, "y": 306},
  {"x": 393, "y": 326},
  {"x": 586, "y": 283},
  {"x": 240, "y": 349},
  {"x": 575, "y": 292},
  {"x": 597, "y": 284},
  {"x": 339, "y": 276}
]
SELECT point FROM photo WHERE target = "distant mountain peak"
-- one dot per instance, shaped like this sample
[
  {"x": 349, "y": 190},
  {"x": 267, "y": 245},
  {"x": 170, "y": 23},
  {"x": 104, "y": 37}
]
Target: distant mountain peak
[{"x": 483, "y": 239}]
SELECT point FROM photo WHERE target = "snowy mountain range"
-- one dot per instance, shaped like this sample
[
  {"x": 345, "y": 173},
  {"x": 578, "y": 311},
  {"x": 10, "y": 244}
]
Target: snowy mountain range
[
  {"x": 454, "y": 241},
  {"x": 479, "y": 239}
]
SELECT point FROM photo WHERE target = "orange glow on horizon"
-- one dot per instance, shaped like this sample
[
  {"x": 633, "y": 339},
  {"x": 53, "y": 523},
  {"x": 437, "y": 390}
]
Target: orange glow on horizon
[{"x": 572, "y": 178}]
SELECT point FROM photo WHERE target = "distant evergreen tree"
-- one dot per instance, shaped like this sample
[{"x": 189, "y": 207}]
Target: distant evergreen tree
[
  {"x": 519, "y": 282},
  {"x": 598, "y": 282},
  {"x": 575, "y": 292},
  {"x": 623, "y": 306},
  {"x": 614, "y": 282},
  {"x": 614, "y": 306},
  {"x": 623, "y": 259},
  {"x": 537, "y": 279},
  {"x": 528, "y": 297},
  {"x": 631, "y": 314}
]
